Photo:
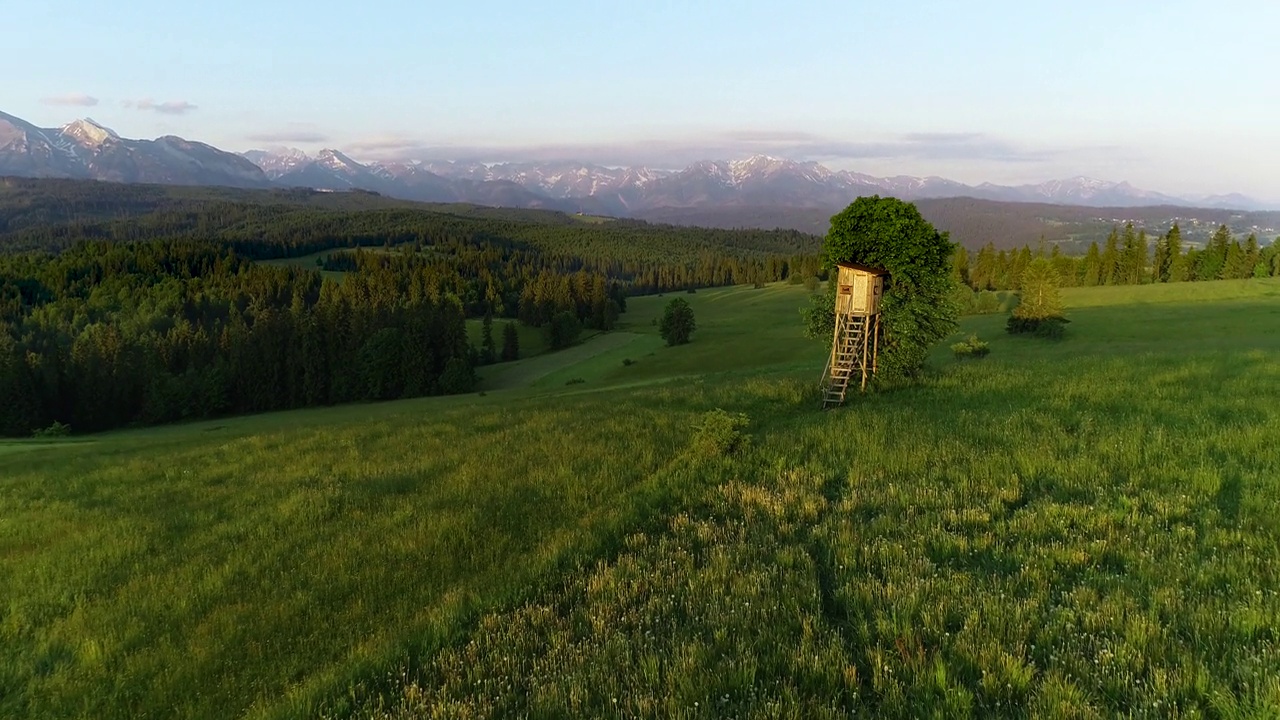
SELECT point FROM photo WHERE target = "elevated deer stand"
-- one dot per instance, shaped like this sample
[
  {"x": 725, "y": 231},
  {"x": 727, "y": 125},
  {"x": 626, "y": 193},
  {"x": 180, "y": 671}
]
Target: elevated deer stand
[{"x": 857, "y": 334}]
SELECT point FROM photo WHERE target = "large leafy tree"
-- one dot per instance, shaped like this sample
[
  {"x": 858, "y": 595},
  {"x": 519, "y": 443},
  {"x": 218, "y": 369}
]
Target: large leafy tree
[
  {"x": 677, "y": 323},
  {"x": 917, "y": 309}
]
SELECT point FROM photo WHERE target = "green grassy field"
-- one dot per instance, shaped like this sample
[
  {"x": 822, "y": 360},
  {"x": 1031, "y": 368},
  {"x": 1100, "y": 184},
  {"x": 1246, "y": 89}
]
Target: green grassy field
[{"x": 1077, "y": 529}]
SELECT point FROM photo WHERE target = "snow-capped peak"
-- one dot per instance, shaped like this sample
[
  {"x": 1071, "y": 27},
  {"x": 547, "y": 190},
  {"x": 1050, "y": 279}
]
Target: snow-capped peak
[
  {"x": 335, "y": 160},
  {"x": 88, "y": 132}
]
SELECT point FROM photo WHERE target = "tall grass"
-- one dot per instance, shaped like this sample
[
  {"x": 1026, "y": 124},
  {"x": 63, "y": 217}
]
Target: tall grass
[
  {"x": 1073, "y": 529},
  {"x": 1052, "y": 536}
]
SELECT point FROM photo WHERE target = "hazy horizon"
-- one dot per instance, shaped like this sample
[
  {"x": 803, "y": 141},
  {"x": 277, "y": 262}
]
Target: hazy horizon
[{"x": 1176, "y": 98}]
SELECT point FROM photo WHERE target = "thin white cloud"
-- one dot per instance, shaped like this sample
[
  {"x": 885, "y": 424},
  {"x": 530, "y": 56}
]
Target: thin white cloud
[
  {"x": 169, "y": 107},
  {"x": 289, "y": 136},
  {"x": 675, "y": 153},
  {"x": 71, "y": 99}
]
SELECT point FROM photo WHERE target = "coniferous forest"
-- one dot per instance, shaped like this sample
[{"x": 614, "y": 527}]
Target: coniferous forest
[
  {"x": 164, "y": 311},
  {"x": 1129, "y": 257}
]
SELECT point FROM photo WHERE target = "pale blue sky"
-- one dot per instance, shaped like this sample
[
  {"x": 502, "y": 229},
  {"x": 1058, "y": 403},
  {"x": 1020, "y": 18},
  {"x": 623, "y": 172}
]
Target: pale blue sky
[{"x": 1177, "y": 95}]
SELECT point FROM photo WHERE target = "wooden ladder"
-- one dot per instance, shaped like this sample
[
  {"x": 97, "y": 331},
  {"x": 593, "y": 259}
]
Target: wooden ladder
[{"x": 849, "y": 357}]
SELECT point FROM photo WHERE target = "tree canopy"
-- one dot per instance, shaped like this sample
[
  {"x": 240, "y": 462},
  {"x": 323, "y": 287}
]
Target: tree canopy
[
  {"x": 917, "y": 309},
  {"x": 677, "y": 323}
]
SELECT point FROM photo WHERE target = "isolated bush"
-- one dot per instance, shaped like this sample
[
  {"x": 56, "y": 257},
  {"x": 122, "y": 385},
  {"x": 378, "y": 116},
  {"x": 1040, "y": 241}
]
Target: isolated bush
[
  {"x": 1046, "y": 328},
  {"x": 56, "y": 430},
  {"x": 677, "y": 322},
  {"x": 720, "y": 433},
  {"x": 628, "y": 362},
  {"x": 574, "y": 381},
  {"x": 918, "y": 308},
  {"x": 987, "y": 302},
  {"x": 971, "y": 348}
]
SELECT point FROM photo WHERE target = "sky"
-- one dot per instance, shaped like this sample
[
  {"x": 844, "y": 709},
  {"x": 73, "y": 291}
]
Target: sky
[{"x": 1178, "y": 96}]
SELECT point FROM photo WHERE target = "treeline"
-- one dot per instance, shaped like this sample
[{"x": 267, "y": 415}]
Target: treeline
[
  {"x": 166, "y": 315},
  {"x": 107, "y": 335},
  {"x": 1129, "y": 257},
  {"x": 491, "y": 282},
  {"x": 645, "y": 258}
]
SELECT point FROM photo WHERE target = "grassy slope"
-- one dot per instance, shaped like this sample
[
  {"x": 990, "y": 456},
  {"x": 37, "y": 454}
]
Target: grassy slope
[{"x": 1086, "y": 523}]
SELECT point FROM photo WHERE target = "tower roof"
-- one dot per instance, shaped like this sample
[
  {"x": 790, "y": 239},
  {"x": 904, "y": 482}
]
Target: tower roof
[{"x": 863, "y": 268}]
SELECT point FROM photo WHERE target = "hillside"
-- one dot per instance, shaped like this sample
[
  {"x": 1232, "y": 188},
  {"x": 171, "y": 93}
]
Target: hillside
[{"x": 1076, "y": 529}]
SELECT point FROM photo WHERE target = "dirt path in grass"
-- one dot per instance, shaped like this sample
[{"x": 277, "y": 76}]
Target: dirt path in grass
[{"x": 527, "y": 372}]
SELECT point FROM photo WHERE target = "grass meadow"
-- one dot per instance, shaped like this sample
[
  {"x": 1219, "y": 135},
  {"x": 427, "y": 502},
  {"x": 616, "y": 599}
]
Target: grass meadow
[{"x": 1077, "y": 529}]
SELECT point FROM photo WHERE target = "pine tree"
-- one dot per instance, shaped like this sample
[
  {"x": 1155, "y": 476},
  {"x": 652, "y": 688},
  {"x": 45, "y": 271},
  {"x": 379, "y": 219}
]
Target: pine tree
[
  {"x": 960, "y": 265},
  {"x": 487, "y": 354},
  {"x": 1252, "y": 256},
  {"x": 1040, "y": 298},
  {"x": 983, "y": 274},
  {"x": 510, "y": 342},
  {"x": 1177, "y": 262},
  {"x": 1236, "y": 266},
  {"x": 1212, "y": 261},
  {"x": 1160, "y": 262},
  {"x": 1017, "y": 264},
  {"x": 1092, "y": 270},
  {"x": 1110, "y": 269},
  {"x": 1138, "y": 269},
  {"x": 1133, "y": 258}
]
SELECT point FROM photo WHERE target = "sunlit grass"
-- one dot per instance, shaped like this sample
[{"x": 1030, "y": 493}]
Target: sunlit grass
[{"x": 1075, "y": 529}]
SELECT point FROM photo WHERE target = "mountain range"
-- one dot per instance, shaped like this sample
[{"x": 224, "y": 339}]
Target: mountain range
[{"x": 86, "y": 149}]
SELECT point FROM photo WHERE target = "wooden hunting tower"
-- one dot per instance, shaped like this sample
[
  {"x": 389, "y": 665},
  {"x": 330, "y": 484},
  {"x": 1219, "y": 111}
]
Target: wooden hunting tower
[{"x": 857, "y": 334}]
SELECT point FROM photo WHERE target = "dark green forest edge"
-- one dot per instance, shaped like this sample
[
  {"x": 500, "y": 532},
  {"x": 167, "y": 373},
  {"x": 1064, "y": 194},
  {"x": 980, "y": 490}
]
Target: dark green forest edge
[
  {"x": 1129, "y": 257},
  {"x": 124, "y": 305}
]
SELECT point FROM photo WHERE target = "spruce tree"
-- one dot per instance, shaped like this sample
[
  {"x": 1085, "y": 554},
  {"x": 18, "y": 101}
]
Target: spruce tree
[
  {"x": 1212, "y": 262},
  {"x": 1177, "y": 262},
  {"x": 983, "y": 274},
  {"x": 1092, "y": 271},
  {"x": 1236, "y": 266},
  {"x": 510, "y": 342},
  {"x": 1252, "y": 255},
  {"x": 960, "y": 265},
  {"x": 487, "y": 354},
  {"x": 1160, "y": 262},
  {"x": 1110, "y": 272},
  {"x": 1040, "y": 298}
]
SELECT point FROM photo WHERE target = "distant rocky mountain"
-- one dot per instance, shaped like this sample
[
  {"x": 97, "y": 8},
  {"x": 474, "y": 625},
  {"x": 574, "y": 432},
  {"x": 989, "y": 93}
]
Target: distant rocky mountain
[
  {"x": 333, "y": 170},
  {"x": 759, "y": 181},
  {"x": 85, "y": 149}
]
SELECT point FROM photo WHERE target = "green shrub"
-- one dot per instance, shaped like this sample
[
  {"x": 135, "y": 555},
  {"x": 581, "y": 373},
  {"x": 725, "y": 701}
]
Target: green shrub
[
  {"x": 574, "y": 381},
  {"x": 628, "y": 362},
  {"x": 720, "y": 433},
  {"x": 971, "y": 348},
  {"x": 1050, "y": 328},
  {"x": 56, "y": 430}
]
